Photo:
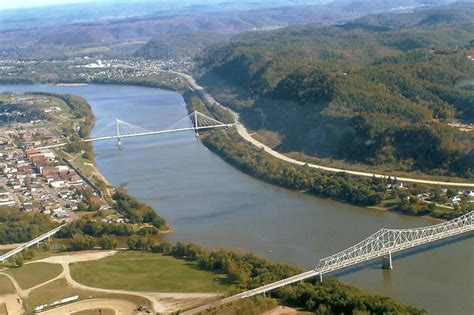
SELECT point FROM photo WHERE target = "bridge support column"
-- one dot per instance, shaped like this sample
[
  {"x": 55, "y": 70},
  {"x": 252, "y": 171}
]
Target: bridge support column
[
  {"x": 320, "y": 276},
  {"x": 387, "y": 261},
  {"x": 196, "y": 124},
  {"x": 117, "y": 131}
]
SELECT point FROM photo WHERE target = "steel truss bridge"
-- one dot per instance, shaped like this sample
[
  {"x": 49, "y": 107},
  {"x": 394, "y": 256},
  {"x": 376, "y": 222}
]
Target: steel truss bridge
[
  {"x": 120, "y": 129},
  {"x": 382, "y": 243}
]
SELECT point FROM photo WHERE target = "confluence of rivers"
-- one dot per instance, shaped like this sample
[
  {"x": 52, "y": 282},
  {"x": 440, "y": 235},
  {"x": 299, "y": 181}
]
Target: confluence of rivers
[{"x": 207, "y": 201}]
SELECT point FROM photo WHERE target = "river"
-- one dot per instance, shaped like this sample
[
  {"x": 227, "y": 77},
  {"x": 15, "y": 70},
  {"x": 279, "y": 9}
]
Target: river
[{"x": 209, "y": 202}]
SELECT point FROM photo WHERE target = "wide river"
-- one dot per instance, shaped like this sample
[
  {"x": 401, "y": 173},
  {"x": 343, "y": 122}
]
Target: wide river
[{"x": 209, "y": 202}]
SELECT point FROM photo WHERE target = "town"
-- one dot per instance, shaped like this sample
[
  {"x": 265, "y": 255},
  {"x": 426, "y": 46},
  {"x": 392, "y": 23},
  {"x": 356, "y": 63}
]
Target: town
[
  {"x": 32, "y": 177},
  {"x": 87, "y": 69}
]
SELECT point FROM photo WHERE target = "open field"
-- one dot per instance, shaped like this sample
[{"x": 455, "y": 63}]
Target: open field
[
  {"x": 6, "y": 286},
  {"x": 147, "y": 272},
  {"x": 59, "y": 289},
  {"x": 33, "y": 274}
]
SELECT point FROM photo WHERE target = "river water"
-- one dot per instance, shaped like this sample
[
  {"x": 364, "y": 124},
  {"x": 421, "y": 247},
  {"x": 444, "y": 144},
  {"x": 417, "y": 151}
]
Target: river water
[{"x": 207, "y": 201}]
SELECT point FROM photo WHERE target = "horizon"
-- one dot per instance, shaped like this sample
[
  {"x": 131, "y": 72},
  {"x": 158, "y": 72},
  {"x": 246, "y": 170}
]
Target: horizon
[{"x": 30, "y": 4}]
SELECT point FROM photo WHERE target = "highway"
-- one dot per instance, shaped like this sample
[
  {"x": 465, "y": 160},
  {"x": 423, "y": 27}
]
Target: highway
[
  {"x": 34, "y": 241},
  {"x": 209, "y": 99}
]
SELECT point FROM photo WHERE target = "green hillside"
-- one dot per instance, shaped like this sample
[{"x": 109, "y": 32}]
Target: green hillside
[
  {"x": 178, "y": 46},
  {"x": 367, "y": 92}
]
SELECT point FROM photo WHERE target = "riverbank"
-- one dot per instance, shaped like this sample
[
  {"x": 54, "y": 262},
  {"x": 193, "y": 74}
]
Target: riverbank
[
  {"x": 209, "y": 101},
  {"x": 359, "y": 191}
]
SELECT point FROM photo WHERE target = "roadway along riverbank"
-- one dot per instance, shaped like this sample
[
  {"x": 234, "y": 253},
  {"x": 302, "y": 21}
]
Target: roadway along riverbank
[{"x": 209, "y": 99}]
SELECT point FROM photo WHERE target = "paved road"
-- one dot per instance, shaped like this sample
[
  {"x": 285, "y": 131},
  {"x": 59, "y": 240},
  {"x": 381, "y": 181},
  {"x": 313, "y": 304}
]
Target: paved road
[{"x": 207, "y": 98}]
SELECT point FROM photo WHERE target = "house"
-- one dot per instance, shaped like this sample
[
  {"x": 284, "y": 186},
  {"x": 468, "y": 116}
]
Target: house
[
  {"x": 27, "y": 206},
  {"x": 456, "y": 200},
  {"x": 56, "y": 183},
  {"x": 469, "y": 193}
]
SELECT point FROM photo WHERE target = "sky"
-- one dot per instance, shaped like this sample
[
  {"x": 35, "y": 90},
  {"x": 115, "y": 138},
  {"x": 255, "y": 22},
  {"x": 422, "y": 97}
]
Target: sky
[{"x": 9, "y": 4}]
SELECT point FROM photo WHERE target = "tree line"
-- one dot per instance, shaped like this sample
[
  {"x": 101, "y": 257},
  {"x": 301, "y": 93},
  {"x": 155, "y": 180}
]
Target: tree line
[
  {"x": 248, "y": 271},
  {"x": 340, "y": 186}
]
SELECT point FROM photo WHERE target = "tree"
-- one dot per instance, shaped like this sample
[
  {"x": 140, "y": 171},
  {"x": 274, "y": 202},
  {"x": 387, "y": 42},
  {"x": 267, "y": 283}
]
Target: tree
[
  {"x": 82, "y": 242},
  {"x": 107, "y": 242}
]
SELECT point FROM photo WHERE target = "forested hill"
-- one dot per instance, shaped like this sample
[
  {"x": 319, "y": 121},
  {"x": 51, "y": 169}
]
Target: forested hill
[
  {"x": 380, "y": 90},
  {"x": 178, "y": 45}
]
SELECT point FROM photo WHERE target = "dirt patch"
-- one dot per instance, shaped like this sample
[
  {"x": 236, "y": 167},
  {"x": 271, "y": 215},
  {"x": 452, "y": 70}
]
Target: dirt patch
[
  {"x": 12, "y": 303},
  {"x": 9, "y": 246},
  {"x": 284, "y": 310},
  {"x": 78, "y": 256},
  {"x": 100, "y": 311},
  {"x": 89, "y": 306}
]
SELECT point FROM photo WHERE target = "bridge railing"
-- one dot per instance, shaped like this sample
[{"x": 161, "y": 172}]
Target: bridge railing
[{"x": 387, "y": 241}]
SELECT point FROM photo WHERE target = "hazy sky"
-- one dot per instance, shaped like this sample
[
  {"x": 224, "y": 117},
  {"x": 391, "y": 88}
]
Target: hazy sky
[{"x": 9, "y": 4}]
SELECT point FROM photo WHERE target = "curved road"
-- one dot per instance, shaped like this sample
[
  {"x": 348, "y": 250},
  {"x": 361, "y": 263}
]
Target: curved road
[{"x": 208, "y": 99}]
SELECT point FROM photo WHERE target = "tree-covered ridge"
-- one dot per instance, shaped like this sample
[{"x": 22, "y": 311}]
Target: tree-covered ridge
[
  {"x": 381, "y": 96},
  {"x": 177, "y": 46}
]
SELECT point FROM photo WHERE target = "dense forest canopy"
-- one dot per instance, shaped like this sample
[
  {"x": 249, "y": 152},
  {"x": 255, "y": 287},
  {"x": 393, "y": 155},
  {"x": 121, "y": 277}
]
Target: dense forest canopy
[
  {"x": 380, "y": 90},
  {"x": 19, "y": 226}
]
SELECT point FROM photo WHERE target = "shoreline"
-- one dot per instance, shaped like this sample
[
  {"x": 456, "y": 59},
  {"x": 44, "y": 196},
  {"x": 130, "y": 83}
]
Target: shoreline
[
  {"x": 67, "y": 84},
  {"x": 97, "y": 172}
]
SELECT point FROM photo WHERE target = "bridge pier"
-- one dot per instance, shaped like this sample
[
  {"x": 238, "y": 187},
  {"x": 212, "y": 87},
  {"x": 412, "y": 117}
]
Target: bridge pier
[
  {"x": 387, "y": 261},
  {"x": 196, "y": 124}
]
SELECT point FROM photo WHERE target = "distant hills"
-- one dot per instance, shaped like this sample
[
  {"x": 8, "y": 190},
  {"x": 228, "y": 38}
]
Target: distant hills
[
  {"x": 122, "y": 29},
  {"x": 379, "y": 90},
  {"x": 457, "y": 13}
]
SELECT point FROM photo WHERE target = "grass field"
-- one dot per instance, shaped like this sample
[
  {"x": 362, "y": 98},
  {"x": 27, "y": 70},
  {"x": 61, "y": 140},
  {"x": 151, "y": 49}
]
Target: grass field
[
  {"x": 6, "y": 286},
  {"x": 140, "y": 271},
  {"x": 30, "y": 275},
  {"x": 59, "y": 289}
]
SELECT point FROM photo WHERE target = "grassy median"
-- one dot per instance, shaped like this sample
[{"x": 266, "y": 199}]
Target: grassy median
[{"x": 33, "y": 274}]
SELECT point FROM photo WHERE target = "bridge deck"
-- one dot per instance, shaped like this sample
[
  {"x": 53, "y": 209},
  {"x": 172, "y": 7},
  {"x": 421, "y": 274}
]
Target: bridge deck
[{"x": 381, "y": 243}]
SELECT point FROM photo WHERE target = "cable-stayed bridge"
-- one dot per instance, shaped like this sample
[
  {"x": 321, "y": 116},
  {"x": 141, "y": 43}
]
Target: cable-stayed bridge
[
  {"x": 382, "y": 244},
  {"x": 119, "y": 129}
]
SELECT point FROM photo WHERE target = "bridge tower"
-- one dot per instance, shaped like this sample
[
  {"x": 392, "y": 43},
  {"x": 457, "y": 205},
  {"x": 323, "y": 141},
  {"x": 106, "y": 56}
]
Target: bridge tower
[
  {"x": 387, "y": 261},
  {"x": 117, "y": 130},
  {"x": 196, "y": 124}
]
